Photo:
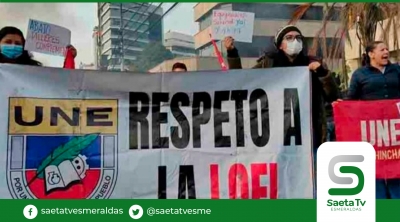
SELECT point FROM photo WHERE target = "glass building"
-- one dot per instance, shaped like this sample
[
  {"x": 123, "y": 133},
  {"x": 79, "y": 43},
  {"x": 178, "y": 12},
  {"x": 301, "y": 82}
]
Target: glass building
[{"x": 142, "y": 25}]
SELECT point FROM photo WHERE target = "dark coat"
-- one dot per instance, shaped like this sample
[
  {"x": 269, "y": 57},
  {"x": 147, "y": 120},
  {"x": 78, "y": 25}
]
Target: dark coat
[
  {"x": 368, "y": 83},
  {"x": 324, "y": 87}
]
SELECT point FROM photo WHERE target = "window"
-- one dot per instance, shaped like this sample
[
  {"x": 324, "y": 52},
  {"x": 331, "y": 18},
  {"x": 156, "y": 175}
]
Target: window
[
  {"x": 137, "y": 26},
  {"x": 115, "y": 12},
  {"x": 128, "y": 42},
  {"x": 156, "y": 30},
  {"x": 182, "y": 49},
  {"x": 137, "y": 16},
  {"x": 206, "y": 21},
  {"x": 115, "y": 22},
  {"x": 335, "y": 14},
  {"x": 132, "y": 53}
]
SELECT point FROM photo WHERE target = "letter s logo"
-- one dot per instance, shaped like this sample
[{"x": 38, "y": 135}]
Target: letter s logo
[{"x": 346, "y": 180}]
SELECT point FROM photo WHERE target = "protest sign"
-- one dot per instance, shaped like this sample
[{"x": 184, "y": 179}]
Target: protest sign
[
  {"x": 200, "y": 135},
  {"x": 237, "y": 24},
  {"x": 376, "y": 122},
  {"x": 47, "y": 38}
]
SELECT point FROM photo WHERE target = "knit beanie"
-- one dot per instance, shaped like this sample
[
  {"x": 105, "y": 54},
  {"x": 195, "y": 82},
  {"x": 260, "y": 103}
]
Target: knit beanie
[{"x": 282, "y": 32}]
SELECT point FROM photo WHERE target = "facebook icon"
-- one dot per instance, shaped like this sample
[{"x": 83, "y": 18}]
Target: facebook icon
[{"x": 30, "y": 212}]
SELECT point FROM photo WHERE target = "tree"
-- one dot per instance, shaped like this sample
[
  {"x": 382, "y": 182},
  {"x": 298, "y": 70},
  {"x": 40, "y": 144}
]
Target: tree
[
  {"x": 364, "y": 18},
  {"x": 152, "y": 55}
]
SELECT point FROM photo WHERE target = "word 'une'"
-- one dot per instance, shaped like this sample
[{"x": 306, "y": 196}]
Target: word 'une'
[
  {"x": 95, "y": 116},
  {"x": 381, "y": 132}
]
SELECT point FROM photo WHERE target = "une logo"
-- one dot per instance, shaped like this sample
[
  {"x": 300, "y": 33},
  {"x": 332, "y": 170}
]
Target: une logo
[{"x": 347, "y": 170}]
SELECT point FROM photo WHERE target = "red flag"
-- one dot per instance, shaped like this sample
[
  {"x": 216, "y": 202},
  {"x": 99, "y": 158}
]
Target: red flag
[
  {"x": 69, "y": 62},
  {"x": 219, "y": 56}
]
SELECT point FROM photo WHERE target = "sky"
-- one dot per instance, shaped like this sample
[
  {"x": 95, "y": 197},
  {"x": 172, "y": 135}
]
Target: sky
[{"x": 81, "y": 18}]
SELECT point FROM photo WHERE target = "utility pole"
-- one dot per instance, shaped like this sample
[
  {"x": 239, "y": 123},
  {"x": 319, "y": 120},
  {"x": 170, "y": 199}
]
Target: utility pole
[{"x": 121, "y": 30}]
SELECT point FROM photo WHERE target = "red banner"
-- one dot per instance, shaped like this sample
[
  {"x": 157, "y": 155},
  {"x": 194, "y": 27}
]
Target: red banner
[{"x": 376, "y": 122}]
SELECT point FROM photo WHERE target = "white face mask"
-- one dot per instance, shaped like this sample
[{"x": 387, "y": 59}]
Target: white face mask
[{"x": 294, "y": 47}]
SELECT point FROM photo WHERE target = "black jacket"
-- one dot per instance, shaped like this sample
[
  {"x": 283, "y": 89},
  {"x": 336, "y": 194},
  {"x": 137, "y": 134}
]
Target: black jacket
[
  {"x": 368, "y": 83},
  {"x": 323, "y": 85}
]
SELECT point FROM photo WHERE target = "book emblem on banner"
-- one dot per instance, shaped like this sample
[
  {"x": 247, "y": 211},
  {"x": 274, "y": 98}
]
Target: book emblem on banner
[{"x": 61, "y": 151}]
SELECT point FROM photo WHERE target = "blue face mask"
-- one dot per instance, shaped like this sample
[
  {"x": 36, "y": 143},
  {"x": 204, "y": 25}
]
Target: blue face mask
[{"x": 11, "y": 51}]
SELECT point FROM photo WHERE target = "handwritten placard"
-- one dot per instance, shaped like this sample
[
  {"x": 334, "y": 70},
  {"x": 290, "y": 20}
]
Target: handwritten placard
[
  {"x": 239, "y": 25},
  {"x": 47, "y": 38}
]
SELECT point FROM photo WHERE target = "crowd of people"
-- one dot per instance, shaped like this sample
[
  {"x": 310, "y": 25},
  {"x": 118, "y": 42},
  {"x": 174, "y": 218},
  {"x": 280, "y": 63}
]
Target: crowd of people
[{"x": 377, "y": 79}]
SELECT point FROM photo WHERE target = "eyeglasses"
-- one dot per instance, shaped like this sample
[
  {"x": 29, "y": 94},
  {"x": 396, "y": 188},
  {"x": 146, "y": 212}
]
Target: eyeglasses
[{"x": 291, "y": 38}]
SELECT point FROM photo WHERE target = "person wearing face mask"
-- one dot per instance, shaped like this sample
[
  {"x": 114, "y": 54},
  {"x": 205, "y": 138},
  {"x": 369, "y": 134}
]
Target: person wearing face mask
[
  {"x": 12, "y": 51},
  {"x": 378, "y": 79},
  {"x": 12, "y": 43},
  {"x": 290, "y": 53}
]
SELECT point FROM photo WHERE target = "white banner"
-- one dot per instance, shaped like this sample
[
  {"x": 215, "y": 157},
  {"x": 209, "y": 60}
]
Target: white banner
[{"x": 89, "y": 134}]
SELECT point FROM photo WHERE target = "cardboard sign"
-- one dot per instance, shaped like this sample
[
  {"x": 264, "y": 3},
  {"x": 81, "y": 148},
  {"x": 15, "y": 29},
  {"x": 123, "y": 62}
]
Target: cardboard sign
[
  {"x": 239, "y": 25},
  {"x": 47, "y": 38}
]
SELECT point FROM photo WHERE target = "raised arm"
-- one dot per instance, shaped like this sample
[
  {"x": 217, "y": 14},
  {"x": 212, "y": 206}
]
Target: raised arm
[{"x": 234, "y": 61}]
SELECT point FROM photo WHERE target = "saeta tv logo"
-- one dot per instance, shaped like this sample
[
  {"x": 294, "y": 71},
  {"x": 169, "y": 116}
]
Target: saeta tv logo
[
  {"x": 346, "y": 170},
  {"x": 346, "y": 181}
]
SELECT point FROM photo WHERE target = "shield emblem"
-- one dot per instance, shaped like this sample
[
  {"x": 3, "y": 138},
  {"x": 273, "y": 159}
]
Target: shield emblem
[{"x": 61, "y": 166}]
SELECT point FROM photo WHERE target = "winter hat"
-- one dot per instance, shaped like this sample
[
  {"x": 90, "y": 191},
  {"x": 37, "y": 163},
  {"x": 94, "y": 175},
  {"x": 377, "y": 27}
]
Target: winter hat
[
  {"x": 283, "y": 31},
  {"x": 11, "y": 30}
]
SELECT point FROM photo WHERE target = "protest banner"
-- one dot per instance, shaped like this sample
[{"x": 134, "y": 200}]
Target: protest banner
[
  {"x": 239, "y": 25},
  {"x": 47, "y": 38},
  {"x": 376, "y": 122},
  {"x": 91, "y": 134}
]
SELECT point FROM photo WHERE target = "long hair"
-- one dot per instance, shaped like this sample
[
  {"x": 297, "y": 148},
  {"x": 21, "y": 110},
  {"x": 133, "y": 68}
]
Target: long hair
[
  {"x": 366, "y": 60},
  {"x": 25, "y": 58}
]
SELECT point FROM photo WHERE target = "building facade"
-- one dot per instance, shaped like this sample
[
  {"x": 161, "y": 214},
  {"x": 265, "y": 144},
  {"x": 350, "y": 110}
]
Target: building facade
[
  {"x": 141, "y": 25},
  {"x": 353, "y": 48},
  {"x": 269, "y": 18},
  {"x": 180, "y": 45}
]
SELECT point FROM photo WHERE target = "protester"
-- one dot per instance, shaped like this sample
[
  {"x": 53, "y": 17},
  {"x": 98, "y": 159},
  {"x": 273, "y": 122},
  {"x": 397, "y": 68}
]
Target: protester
[
  {"x": 179, "y": 67},
  {"x": 12, "y": 43},
  {"x": 377, "y": 80},
  {"x": 12, "y": 51},
  {"x": 291, "y": 52}
]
